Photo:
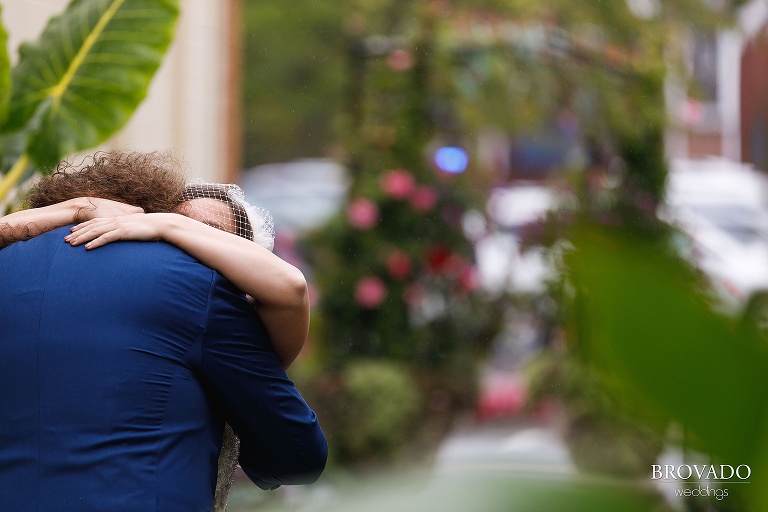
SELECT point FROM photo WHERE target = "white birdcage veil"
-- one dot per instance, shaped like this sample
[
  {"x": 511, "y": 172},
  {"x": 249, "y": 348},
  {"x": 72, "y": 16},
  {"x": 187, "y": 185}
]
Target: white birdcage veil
[{"x": 237, "y": 215}]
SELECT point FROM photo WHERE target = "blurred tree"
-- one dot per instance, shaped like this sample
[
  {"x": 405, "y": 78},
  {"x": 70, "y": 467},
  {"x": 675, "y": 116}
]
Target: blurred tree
[
  {"x": 597, "y": 68},
  {"x": 395, "y": 267},
  {"x": 292, "y": 78},
  {"x": 295, "y": 66}
]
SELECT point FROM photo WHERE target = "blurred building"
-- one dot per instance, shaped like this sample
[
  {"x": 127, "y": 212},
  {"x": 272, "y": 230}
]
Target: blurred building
[
  {"x": 719, "y": 109},
  {"x": 192, "y": 104},
  {"x": 727, "y": 113}
]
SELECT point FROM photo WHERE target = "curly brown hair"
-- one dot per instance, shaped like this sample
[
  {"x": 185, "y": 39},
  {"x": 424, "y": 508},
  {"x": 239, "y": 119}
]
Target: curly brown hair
[{"x": 152, "y": 181}]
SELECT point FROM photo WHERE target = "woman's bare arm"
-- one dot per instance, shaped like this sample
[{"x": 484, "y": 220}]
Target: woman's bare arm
[
  {"x": 26, "y": 224},
  {"x": 278, "y": 288}
]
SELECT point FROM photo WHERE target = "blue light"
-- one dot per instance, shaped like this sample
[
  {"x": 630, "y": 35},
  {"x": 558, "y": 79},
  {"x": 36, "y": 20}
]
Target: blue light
[{"x": 451, "y": 159}]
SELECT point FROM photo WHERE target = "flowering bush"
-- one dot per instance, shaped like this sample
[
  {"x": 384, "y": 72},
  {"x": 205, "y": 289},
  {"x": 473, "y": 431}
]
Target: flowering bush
[
  {"x": 394, "y": 271},
  {"x": 396, "y": 275}
]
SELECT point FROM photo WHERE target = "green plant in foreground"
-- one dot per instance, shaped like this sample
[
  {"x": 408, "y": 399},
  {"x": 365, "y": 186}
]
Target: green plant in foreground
[
  {"x": 79, "y": 82},
  {"x": 652, "y": 334}
]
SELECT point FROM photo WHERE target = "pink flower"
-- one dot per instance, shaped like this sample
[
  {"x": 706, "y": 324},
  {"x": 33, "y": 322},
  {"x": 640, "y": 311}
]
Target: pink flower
[
  {"x": 414, "y": 294},
  {"x": 500, "y": 397},
  {"x": 362, "y": 213},
  {"x": 424, "y": 199},
  {"x": 398, "y": 184},
  {"x": 370, "y": 292},
  {"x": 691, "y": 111},
  {"x": 468, "y": 279},
  {"x": 400, "y": 60},
  {"x": 399, "y": 265}
]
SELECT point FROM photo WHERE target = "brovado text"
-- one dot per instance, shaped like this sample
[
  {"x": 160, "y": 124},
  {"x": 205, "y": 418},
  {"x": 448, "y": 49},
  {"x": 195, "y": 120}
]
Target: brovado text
[{"x": 723, "y": 472}]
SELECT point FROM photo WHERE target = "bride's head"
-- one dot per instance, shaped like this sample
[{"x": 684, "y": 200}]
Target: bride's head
[{"x": 223, "y": 206}]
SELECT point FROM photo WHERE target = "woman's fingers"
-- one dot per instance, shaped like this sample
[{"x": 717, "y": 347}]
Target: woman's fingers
[
  {"x": 83, "y": 224},
  {"x": 90, "y": 231},
  {"x": 101, "y": 240},
  {"x": 101, "y": 231}
]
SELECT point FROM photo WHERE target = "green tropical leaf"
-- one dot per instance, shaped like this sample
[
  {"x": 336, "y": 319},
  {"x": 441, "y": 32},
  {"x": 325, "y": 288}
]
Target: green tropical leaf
[
  {"x": 5, "y": 73},
  {"x": 650, "y": 328},
  {"x": 86, "y": 74}
]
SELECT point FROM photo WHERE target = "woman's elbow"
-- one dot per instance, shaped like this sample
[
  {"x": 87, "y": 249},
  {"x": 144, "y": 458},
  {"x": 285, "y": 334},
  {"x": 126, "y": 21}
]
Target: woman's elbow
[{"x": 299, "y": 290}]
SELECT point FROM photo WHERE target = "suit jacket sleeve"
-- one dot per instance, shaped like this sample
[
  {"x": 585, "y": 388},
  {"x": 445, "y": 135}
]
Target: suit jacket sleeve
[{"x": 281, "y": 440}]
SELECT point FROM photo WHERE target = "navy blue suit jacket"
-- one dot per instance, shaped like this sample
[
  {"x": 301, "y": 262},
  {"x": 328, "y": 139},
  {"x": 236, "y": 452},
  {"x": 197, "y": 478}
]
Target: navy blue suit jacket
[{"x": 118, "y": 369}]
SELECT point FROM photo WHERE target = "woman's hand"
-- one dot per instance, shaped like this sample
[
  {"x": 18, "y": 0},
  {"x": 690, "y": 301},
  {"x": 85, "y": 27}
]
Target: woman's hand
[
  {"x": 135, "y": 226},
  {"x": 88, "y": 208},
  {"x": 25, "y": 224}
]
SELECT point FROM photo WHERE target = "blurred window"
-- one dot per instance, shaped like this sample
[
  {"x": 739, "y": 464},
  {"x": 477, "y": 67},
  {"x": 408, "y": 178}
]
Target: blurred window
[{"x": 705, "y": 66}]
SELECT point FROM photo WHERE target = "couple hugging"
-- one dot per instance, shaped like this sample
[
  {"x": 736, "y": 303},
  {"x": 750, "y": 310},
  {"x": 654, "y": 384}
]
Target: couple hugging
[{"x": 122, "y": 363}]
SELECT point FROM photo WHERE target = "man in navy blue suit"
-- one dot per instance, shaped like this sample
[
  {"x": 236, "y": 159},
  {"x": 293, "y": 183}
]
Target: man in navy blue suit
[{"x": 118, "y": 370}]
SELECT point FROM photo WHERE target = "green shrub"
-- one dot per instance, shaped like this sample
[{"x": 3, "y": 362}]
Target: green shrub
[
  {"x": 368, "y": 411},
  {"x": 379, "y": 401}
]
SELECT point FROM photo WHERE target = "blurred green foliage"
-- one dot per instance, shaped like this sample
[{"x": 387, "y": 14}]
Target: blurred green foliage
[
  {"x": 379, "y": 412},
  {"x": 293, "y": 71},
  {"x": 79, "y": 82},
  {"x": 647, "y": 326},
  {"x": 371, "y": 411},
  {"x": 410, "y": 245},
  {"x": 5, "y": 73},
  {"x": 381, "y": 404},
  {"x": 645, "y": 345},
  {"x": 394, "y": 270},
  {"x": 602, "y": 431},
  {"x": 645, "y": 348},
  {"x": 302, "y": 63}
]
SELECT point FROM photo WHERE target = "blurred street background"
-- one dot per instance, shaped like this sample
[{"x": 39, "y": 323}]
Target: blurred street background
[{"x": 535, "y": 231}]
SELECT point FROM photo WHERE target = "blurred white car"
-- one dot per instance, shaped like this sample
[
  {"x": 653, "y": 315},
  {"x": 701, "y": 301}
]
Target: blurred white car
[
  {"x": 301, "y": 195},
  {"x": 502, "y": 266},
  {"x": 722, "y": 209}
]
